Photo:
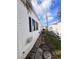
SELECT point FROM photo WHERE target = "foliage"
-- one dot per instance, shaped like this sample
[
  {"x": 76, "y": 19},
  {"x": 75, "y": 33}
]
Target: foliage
[{"x": 53, "y": 39}]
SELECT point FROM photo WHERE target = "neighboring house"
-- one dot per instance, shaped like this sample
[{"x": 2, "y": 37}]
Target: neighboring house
[{"x": 56, "y": 28}]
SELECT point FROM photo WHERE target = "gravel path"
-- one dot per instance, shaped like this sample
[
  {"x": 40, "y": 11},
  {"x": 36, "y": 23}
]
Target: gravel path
[{"x": 41, "y": 50}]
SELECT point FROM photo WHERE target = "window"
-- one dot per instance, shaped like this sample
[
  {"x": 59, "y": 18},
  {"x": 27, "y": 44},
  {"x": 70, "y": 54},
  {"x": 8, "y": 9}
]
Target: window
[
  {"x": 30, "y": 29},
  {"x": 36, "y": 26},
  {"x": 33, "y": 25}
]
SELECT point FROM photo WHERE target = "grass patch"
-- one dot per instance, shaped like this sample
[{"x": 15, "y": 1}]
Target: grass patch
[{"x": 53, "y": 39}]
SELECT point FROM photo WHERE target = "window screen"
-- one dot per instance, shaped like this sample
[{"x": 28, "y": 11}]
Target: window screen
[
  {"x": 36, "y": 26},
  {"x": 33, "y": 25}
]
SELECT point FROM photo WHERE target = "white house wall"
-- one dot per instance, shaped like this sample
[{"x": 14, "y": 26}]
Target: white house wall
[{"x": 23, "y": 33}]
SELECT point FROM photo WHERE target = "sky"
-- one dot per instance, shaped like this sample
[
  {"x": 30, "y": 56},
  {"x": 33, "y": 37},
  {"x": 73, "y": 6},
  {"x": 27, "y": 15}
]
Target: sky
[{"x": 49, "y": 8}]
